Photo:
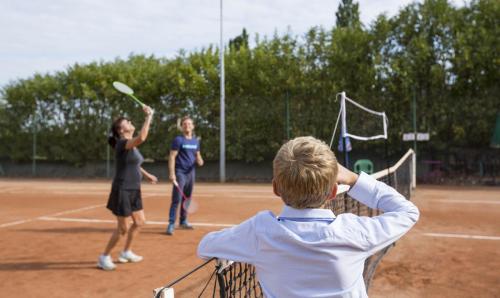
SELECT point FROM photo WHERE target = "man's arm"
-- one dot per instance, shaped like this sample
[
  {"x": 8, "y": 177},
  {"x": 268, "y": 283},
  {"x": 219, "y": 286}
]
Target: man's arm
[
  {"x": 199, "y": 159},
  {"x": 398, "y": 217},
  {"x": 171, "y": 165}
]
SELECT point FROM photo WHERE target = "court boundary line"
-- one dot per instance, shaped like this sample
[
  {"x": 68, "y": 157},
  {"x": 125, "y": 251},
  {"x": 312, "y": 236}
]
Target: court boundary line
[
  {"x": 465, "y": 201},
  {"x": 18, "y": 222},
  {"x": 226, "y": 225},
  {"x": 148, "y": 222},
  {"x": 462, "y": 236}
]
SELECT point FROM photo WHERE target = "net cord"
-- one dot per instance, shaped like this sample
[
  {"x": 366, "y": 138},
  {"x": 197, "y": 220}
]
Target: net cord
[
  {"x": 344, "y": 120},
  {"x": 208, "y": 282},
  {"x": 336, "y": 124},
  {"x": 342, "y": 188},
  {"x": 393, "y": 169},
  {"x": 184, "y": 276},
  {"x": 364, "y": 108},
  {"x": 360, "y": 138}
]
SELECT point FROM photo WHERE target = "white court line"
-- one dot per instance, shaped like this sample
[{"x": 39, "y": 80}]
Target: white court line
[
  {"x": 88, "y": 220},
  {"x": 76, "y": 210},
  {"x": 237, "y": 190},
  {"x": 199, "y": 224},
  {"x": 18, "y": 222},
  {"x": 256, "y": 196},
  {"x": 168, "y": 195},
  {"x": 218, "y": 225},
  {"x": 463, "y": 236},
  {"x": 195, "y": 196},
  {"x": 466, "y": 201},
  {"x": 148, "y": 222}
]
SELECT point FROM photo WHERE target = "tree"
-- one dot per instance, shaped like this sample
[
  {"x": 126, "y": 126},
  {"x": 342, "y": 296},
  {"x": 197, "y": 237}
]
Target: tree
[
  {"x": 239, "y": 41},
  {"x": 445, "y": 55},
  {"x": 348, "y": 15}
]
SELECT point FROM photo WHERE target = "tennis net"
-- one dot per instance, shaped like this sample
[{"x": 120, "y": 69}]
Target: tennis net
[{"x": 226, "y": 279}]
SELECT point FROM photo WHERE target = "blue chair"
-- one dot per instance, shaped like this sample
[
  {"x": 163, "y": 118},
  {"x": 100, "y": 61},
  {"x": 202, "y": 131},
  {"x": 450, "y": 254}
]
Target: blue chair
[{"x": 363, "y": 165}]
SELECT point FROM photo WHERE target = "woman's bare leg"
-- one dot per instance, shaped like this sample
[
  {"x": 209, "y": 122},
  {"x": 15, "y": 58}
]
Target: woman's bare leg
[
  {"x": 121, "y": 230},
  {"x": 139, "y": 218}
]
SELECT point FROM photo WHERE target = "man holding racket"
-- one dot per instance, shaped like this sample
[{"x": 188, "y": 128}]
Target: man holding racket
[{"x": 184, "y": 155}]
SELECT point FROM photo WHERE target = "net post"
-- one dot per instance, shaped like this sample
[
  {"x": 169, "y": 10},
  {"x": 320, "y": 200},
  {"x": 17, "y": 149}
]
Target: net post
[
  {"x": 395, "y": 186},
  {"x": 222, "y": 145},
  {"x": 33, "y": 164},
  {"x": 108, "y": 150},
  {"x": 108, "y": 166},
  {"x": 414, "y": 170},
  {"x": 287, "y": 111},
  {"x": 344, "y": 129}
]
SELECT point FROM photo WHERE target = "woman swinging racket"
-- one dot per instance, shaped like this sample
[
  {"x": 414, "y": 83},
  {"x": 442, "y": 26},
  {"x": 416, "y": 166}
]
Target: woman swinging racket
[{"x": 125, "y": 198}]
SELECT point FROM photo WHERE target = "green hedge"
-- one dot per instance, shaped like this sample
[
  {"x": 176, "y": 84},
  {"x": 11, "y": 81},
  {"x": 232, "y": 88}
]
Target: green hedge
[{"x": 443, "y": 55}]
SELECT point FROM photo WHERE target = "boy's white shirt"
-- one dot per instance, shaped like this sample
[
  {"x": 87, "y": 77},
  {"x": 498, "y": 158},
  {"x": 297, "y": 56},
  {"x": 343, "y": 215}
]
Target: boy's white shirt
[{"x": 312, "y": 252}]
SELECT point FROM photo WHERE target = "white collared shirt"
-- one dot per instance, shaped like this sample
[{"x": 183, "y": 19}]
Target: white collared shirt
[{"x": 312, "y": 252}]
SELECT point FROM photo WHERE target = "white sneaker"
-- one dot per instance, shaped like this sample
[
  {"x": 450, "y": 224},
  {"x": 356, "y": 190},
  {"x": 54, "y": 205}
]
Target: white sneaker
[
  {"x": 129, "y": 256},
  {"x": 105, "y": 263}
]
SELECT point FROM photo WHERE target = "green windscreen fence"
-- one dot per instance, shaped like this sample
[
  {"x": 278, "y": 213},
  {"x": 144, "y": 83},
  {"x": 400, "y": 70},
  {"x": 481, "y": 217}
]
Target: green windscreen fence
[{"x": 495, "y": 139}]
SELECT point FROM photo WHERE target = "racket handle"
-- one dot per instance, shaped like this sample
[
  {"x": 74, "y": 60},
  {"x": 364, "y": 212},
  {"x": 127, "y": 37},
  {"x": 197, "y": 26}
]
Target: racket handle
[{"x": 137, "y": 100}]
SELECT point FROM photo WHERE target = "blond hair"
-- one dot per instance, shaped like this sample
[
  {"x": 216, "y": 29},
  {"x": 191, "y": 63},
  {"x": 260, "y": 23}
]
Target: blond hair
[
  {"x": 186, "y": 118},
  {"x": 305, "y": 172}
]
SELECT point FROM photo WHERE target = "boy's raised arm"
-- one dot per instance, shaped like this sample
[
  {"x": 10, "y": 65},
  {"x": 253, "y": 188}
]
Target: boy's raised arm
[
  {"x": 398, "y": 217},
  {"x": 236, "y": 244}
]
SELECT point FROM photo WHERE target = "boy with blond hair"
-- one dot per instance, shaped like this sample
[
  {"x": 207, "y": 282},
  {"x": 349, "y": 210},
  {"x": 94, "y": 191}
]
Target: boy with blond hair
[{"x": 307, "y": 251}]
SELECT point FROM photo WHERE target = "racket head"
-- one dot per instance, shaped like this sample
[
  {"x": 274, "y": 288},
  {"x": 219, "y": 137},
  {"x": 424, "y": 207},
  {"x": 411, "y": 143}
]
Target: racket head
[
  {"x": 191, "y": 206},
  {"x": 123, "y": 88}
]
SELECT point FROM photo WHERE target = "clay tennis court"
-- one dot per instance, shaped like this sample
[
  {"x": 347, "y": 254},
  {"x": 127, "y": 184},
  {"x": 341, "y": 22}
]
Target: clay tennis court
[{"x": 52, "y": 231}]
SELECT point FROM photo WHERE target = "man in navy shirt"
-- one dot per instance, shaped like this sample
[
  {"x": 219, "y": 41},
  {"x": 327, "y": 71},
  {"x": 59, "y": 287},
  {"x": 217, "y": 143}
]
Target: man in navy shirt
[{"x": 184, "y": 155}]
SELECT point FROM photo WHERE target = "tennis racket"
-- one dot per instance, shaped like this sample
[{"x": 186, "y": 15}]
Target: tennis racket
[{"x": 189, "y": 204}]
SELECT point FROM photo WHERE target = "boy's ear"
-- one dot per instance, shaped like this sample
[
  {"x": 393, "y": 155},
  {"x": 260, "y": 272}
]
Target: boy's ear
[
  {"x": 333, "y": 194},
  {"x": 275, "y": 189}
]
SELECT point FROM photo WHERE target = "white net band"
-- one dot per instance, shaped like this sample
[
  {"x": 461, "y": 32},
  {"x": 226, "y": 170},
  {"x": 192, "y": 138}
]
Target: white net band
[{"x": 345, "y": 130}]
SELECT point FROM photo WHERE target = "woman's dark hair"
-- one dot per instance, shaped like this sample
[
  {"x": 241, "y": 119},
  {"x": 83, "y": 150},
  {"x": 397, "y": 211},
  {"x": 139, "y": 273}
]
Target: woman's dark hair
[{"x": 114, "y": 135}]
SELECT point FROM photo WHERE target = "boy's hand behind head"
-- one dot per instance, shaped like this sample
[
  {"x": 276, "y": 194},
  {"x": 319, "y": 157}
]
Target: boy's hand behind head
[{"x": 345, "y": 176}]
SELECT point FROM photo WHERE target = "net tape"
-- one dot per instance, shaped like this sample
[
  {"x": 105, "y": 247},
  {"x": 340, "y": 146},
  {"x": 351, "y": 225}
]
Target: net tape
[
  {"x": 346, "y": 132},
  {"x": 343, "y": 116},
  {"x": 235, "y": 279}
]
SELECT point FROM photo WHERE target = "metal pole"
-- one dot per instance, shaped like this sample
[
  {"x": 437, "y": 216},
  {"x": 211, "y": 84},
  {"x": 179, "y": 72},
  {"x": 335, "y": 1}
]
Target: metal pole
[
  {"x": 287, "y": 105},
  {"x": 33, "y": 166},
  {"x": 414, "y": 159},
  {"x": 414, "y": 108},
  {"x": 344, "y": 132},
  {"x": 108, "y": 153},
  {"x": 108, "y": 169},
  {"x": 222, "y": 106}
]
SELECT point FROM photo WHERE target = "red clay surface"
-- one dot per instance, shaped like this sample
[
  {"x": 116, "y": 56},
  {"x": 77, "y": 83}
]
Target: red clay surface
[{"x": 51, "y": 232}]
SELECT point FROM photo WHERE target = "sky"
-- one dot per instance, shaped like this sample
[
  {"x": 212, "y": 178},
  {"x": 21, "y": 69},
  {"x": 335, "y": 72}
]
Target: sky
[{"x": 44, "y": 36}]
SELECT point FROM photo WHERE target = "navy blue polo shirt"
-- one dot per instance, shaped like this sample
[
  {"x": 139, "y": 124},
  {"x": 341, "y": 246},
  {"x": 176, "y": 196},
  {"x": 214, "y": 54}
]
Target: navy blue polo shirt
[{"x": 186, "y": 156}]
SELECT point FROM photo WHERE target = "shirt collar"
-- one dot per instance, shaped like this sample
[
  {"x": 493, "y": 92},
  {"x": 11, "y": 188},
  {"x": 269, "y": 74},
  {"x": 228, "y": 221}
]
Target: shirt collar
[{"x": 291, "y": 212}]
